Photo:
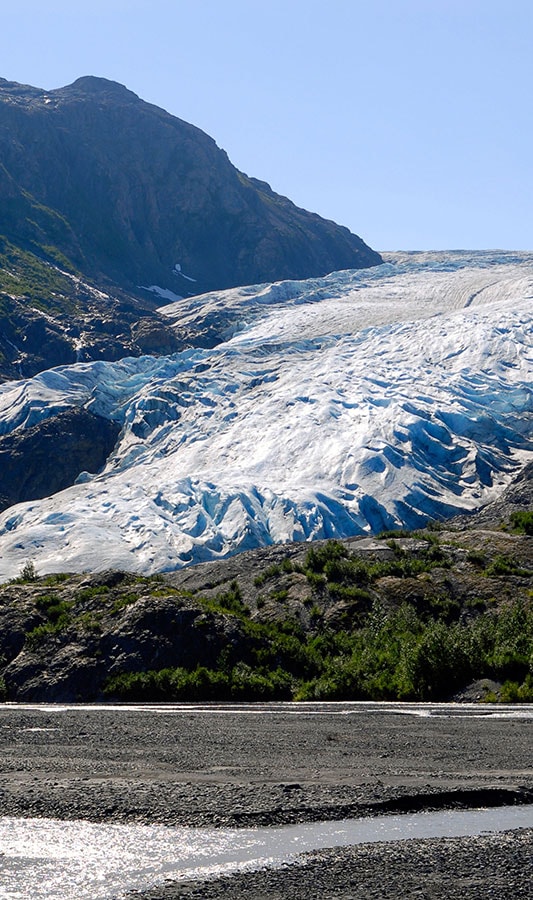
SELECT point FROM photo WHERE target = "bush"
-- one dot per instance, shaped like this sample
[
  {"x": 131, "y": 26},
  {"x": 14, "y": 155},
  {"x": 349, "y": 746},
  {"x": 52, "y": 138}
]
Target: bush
[
  {"x": 476, "y": 558},
  {"x": 522, "y": 521},
  {"x": 503, "y": 565},
  {"x": 28, "y": 573},
  {"x": 58, "y": 615},
  {"x": 201, "y": 684},
  {"x": 317, "y": 557}
]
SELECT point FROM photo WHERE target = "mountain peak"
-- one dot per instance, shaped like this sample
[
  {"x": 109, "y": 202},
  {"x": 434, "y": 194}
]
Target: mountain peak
[
  {"x": 146, "y": 199},
  {"x": 95, "y": 85}
]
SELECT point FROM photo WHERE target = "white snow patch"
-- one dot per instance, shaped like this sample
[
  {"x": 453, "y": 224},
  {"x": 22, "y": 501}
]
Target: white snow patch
[
  {"x": 165, "y": 293},
  {"x": 178, "y": 271}
]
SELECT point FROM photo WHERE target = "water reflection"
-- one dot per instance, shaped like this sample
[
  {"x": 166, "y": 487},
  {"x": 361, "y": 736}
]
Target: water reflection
[
  {"x": 333, "y": 708},
  {"x": 46, "y": 859}
]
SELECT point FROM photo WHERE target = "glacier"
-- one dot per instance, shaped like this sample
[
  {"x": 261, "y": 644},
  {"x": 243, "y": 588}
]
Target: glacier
[{"x": 331, "y": 407}]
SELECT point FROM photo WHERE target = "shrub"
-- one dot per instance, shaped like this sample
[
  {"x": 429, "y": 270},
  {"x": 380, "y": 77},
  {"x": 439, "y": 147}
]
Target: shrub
[
  {"x": 317, "y": 557},
  {"x": 476, "y": 558},
  {"x": 229, "y": 601},
  {"x": 28, "y": 573},
  {"x": 56, "y": 578},
  {"x": 279, "y": 596},
  {"x": 315, "y": 580},
  {"x": 503, "y": 565},
  {"x": 522, "y": 521},
  {"x": 272, "y": 571},
  {"x": 201, "y": 684}
]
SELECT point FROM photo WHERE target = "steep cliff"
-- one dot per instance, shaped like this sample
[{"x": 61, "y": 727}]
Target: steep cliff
[{"x": 110, "y": 206}]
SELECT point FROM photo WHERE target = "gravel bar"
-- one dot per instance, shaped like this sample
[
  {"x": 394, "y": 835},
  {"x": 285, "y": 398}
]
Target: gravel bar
[{"x": 276, "y": 764}]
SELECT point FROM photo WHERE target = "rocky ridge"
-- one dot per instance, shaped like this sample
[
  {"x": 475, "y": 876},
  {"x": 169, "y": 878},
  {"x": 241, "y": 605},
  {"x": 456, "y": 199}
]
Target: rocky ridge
[
  {"x": 51, "y": 317},
  {"x": 109, "y": 204}
]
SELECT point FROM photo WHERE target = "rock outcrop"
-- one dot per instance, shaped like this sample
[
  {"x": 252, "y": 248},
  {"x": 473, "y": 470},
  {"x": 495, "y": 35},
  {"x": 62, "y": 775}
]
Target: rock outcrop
[
  {"x": 279, "y": 622},
  {"x": 49, "y": 456}
]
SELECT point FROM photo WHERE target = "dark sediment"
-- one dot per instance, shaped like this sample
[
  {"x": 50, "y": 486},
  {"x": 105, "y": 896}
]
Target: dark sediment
[{"x": 215, "y": 766}]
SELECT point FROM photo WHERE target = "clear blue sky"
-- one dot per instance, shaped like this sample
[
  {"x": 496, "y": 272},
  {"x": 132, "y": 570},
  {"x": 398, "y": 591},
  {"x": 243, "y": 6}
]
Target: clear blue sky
[{"x": 409, "y": 121}]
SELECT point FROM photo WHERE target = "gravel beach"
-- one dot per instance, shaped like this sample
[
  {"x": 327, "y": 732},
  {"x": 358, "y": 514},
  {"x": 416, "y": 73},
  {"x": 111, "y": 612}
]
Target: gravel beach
[{"x": 281, "y": 763}]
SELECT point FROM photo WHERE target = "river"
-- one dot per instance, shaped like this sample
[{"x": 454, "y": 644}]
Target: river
[{"x": 48, "y": 859}]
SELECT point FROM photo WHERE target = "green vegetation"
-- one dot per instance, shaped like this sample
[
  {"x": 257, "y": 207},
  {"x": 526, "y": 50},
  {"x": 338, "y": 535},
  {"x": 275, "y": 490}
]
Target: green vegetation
[
  {"x": 56, "y": 578},
  {"x": 124, "y": 600},
  {"x": 400, "y": 653},
  {"x": 330, "y": 564},
  {"x": 476, "y": 558},
  {"x": 334, "y": 626},
  {"x": 400, "y": 656},
  {"x": 274, "y": 571},
  {"x": 28, "y": 573},
  {"x": 88, "y": 621},
  {"x": 27, "y": 274},
  {"x": 394, "y": 656},
  {"x": 503, "y": 565},
  {"x": 422, "y": 650},
  {"x": 241, "y": 683},
  {"x": 58, "y": 617},
  {"x": 227, "y": 602},
  {"x": 512, "y": 692},
  {"x": 522, "y": 522}
]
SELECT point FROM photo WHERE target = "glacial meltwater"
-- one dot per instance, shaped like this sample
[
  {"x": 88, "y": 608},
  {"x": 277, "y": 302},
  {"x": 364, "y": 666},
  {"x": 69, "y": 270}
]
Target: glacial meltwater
[{"x": 57, "y": 860}]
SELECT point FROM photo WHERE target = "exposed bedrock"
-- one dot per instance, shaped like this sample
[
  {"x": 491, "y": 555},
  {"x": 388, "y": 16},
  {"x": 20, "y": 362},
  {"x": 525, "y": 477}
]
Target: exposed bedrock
[{"x": 46, "y": 458}]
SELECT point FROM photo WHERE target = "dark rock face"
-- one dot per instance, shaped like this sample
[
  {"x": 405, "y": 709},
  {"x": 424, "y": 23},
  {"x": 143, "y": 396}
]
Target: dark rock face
[
  {"x": 39, "y": 461},
  {"x": 127, "y": 192},
  {"x": 49, "y": 318},
  {"x": 116, "y": 623}
]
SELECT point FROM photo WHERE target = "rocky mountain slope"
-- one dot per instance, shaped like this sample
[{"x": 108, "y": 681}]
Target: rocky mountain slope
[
  {"x": 51, "y": 316},
  {"x": 427, "y": 615},
  {"x": 108, "y": 203}
]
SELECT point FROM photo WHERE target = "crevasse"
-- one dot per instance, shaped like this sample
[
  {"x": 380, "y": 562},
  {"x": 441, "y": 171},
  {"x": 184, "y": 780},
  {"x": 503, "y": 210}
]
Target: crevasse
[{"x": 332, "y": 407}]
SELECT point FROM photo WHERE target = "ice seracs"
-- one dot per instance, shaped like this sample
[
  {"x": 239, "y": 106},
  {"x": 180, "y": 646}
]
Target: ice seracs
[{"x": 336, "y": 406}]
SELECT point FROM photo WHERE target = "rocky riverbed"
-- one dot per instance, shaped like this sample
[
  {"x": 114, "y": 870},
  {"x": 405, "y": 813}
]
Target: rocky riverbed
[
  {"x": 278, "y": 763},
  {"x": 499, "y": 867}
]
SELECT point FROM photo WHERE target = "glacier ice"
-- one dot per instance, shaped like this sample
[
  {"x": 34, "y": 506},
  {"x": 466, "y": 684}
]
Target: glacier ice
[{"x": 332, "y": 407}]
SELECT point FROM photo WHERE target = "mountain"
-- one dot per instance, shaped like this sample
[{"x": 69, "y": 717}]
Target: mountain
[
  {"x": 109, "y": 205},
  {"x": 331, "y": 407}
]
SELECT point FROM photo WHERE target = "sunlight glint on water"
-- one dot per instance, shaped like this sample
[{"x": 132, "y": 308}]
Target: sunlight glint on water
[{"x": 46, "y": 859}]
